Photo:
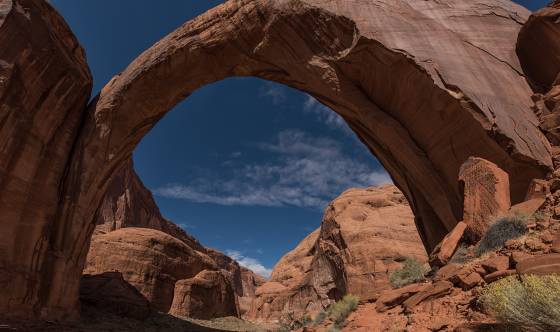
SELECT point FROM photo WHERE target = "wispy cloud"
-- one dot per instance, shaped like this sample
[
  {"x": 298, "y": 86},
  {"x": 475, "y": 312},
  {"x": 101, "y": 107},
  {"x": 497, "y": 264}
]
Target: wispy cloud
[
  {"x": 274, "y": 91},
  {"x": 325, "y": 114},
  {"x": 252, "y": 264},
  {"x": 306, "y": 172}
]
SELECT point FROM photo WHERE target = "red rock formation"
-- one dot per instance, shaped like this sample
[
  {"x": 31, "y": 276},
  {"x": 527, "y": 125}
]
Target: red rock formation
[
  {"x": 45, "y": 84},
  {"x": 128, "y": 203},
  {"x": 150, "y": 260},
  {"x": 208, "y": 295},
  {"x": 109, "y": 292},
  {"x": 250, "y": 282},
  {"x": 363, "y": 236},
  {"x": 421, "y": 83},
  {"x": 538, "y": 47},
  {"x": 486, "y": 195}
]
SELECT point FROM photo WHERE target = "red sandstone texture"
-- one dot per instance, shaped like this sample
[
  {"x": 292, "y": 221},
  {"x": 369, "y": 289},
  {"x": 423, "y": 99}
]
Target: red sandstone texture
[
  {"x": 425, "y": 85},
  {"x": 155, "y": 256},
  {"x": 363, "y": 237}
]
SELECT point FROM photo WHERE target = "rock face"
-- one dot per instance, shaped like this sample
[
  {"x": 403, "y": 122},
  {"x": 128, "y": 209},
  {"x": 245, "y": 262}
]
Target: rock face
[
  {"x": 486, "y": 195},
  {"x": 150, "y": 260},
  {"x": 128, "y": 203},
  {"x": 111, "y": 293},
  {"x": 424, "y": 84},
  {"x": 538, "y": 47},
  {"x": 208, "y": 295},
  {"x": 45, "y": 85},
  {"x": 363, "y": 236}
]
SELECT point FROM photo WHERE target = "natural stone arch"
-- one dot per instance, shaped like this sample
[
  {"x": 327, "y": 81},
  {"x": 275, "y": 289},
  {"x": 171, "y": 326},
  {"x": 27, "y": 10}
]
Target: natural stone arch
[{"x": 420, "y": 88}]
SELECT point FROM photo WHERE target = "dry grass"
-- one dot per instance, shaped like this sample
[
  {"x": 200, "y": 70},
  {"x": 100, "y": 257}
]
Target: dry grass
[{"x": 504, "y": 228}]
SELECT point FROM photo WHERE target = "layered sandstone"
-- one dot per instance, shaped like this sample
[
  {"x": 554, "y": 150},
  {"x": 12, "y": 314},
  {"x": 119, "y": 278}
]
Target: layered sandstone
[
  {"x": 150, "y": 260},
  {"x": 424, "y": 84},
  {"x": 364, "y": 236}
]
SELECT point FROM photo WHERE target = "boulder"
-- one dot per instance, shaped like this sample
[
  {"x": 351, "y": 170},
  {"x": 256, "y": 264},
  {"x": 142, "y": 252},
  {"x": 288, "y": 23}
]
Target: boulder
[
  {"x": 496, "y": 263},
  {"x": 150, "y": 260},
  {"x": 556, "y": 244},
  {"x": 446, "y": 248},
  {"x": 394, "y": 297},
  {"x": 210, "y": 294},
  {"x": 433, "y": 291},
  {"x": 109, "y": 292},
  {"x": 538, "y": 188},
  {"x": 497, "y": 275},
  {"x": 528, "y": 207},
  {"x": 363, "y": 237},
  {"x": 540, "y": 265},
  {"x": 486, "y": 195},
  {"x": 467, "y": 280},
  {"x": 448, "y": 272}
]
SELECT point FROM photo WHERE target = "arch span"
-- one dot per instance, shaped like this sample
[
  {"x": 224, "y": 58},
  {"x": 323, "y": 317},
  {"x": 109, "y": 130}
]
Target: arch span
[{"x": 424, "y": 85}]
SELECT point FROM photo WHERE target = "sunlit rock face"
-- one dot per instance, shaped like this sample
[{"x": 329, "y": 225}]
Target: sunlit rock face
[
  {"x": 424, "y": 84},
  {"x": 364, "y": 235}
]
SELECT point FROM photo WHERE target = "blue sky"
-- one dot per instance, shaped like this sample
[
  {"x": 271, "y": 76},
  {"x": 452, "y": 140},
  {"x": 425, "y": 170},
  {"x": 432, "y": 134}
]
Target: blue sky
[{"x": 244, "y": 165}]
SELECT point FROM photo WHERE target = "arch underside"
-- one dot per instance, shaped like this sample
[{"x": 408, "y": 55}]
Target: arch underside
[{"x": 420, "y": 93}]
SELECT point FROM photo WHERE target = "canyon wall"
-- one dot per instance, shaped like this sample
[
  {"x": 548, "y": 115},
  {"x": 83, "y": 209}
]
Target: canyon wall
[{"x": 364, "y": 236}]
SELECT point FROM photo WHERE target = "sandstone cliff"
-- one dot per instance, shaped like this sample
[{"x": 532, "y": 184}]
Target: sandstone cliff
[
  {"x": 160, "y": 259},
  {"x": 363, "y": 237}
]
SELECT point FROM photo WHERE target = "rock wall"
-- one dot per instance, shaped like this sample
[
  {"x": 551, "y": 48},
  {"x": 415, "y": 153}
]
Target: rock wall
[
  {"x": 45, "y": 84},
  {"x": 424, "y": 85},
  {"x": 150, "y": 260},
  {"x": 128, "y": 203},
  {"x": 364, "y": 235}
]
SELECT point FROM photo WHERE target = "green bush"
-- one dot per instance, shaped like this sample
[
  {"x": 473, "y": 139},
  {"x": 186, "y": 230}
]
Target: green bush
[
  {"x": 339, "y": 311},
  {"x": 412, "y": 271},
  {"x": 320, "y": 318},
  {"x": 532, "y": 302},
  {"x": 502, "y": 229}
]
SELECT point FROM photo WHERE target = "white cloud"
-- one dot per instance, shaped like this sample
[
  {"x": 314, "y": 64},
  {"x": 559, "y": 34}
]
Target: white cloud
[
  {"x": 252, "y": 264},
  {"x": 274, "y": 91},
  {"x": 307, "y": 172},
  {"x": 325, "y": 114}
]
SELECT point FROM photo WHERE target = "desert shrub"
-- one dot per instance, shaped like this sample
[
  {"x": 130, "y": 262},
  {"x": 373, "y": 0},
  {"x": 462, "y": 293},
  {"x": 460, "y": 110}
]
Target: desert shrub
[
  {"x": 461, "y": 255},
  {"x": 289, "y": 323},
  {"x": 531, "y": 302},
  {"x": 320, "y": 318},
  {"x": 504, "y": 228},
  {"x": 339, "y": 311},
  {"x": 412, "y": 271},
  {"x": 539, "y": 216},
  {"x": 332, "y": 328}
]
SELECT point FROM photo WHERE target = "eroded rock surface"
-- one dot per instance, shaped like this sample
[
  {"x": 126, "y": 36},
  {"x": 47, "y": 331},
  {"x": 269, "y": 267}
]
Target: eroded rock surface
[
  {"x": 150, "y": 260},
  {"x": 128, "y": 203},
  {"x": 45, "y": 84},
  {"x": 363, "y": 236}
]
